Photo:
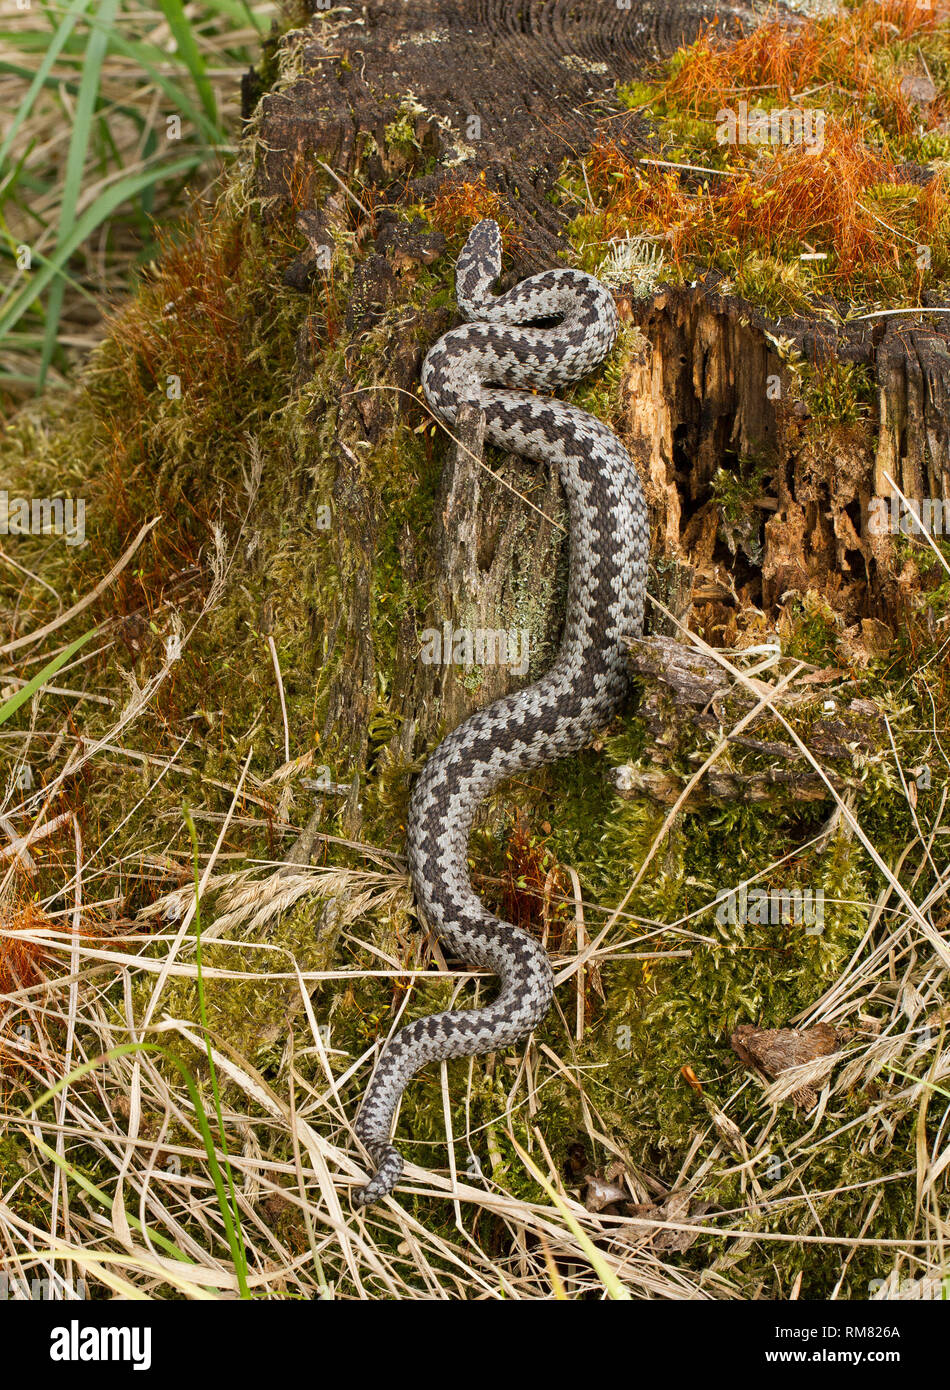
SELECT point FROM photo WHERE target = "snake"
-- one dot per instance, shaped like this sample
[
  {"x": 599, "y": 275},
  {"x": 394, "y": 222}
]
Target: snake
[{"x": 547, "y": 331}]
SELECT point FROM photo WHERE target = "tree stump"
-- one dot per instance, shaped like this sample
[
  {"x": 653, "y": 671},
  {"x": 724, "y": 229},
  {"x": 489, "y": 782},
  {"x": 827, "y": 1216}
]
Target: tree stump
[{"x": 394, "y": 103}]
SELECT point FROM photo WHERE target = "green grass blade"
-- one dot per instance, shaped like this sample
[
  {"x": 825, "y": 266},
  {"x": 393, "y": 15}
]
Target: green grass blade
[
  {"x": 10, "y": 707},
  {"x": 238, "y": 11},
  {"x": 83, "y": 119},
  {"x": 614, "y": 1287},
  {"x": 97, "y": 1194},
  {"x": 94, "y": 216},
  {"x": 148, "y": 57},
  {"x": 190, "y": 53},
  {"x": 9, "y": 182},
  {"x": 235, "y": 1233},
  {"x": 52, "y": 53},
  {"x": 124, "y": 1049}
]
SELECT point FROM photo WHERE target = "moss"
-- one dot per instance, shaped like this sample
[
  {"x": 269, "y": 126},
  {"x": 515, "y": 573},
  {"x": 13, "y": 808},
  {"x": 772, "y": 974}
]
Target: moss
[
  {"x": 774, "y": 225},
  {"x": 15, "y": 1162},
  {"x": 401, "y": 132},
  {"x": 736, "y": 490},
  {"x": 837, "y": 393},
  {"x": 401, "y": 136},
  {"x": 135, "y": 451}
]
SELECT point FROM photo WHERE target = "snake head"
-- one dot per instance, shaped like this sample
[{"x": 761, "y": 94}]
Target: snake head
[
  {"x": 477, "y": 268},
  {"x": 484, "y": 242}
]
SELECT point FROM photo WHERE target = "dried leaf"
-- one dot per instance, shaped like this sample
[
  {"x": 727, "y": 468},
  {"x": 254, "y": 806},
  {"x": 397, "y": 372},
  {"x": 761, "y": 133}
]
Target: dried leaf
[
  {"x": 678, "y": 1207},
  {"x": 772, "y": 1051}
]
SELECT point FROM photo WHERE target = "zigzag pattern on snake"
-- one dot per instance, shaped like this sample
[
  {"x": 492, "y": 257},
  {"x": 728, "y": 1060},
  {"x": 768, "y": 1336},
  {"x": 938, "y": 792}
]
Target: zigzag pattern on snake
[{"x": 609, "y": 542}]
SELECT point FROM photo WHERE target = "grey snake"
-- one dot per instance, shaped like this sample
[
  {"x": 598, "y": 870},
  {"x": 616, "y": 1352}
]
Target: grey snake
[{"x": 555, "y": 716}]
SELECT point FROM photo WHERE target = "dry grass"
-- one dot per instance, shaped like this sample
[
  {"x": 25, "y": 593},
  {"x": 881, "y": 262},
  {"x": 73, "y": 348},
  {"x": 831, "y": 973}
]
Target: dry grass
[{"x": 115, "y": 1185}]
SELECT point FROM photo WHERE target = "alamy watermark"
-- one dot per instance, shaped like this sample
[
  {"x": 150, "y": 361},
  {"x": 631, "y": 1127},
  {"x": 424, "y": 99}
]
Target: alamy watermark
[
  {"x": 927, "y": 1287},
  {"x": 783, "y": 125},
  {"x": 43, "y": 516},
  {"x": 910, "y": 517},
  {"x": 772, "y": 907},
  {"x": 45, "y": 1288},
  {"x": 483, "y": 646},
  {"x": 76, "y": 1343}
]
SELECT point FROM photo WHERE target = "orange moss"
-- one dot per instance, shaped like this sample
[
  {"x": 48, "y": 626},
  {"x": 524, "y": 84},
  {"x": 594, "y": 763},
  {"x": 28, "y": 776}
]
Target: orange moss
[
  {"x": 20, "y": 960},
  {"x": 655, "y": 198},
  {"x": 812, "y": 195},
  {"x": 459, "y": 205},
  {"x": 785, "y": 60},
  {"x": 21, "y": 968},
  {"x": 533, "y": 884},
  {"x": 802, "y": 196},
  {"x": 182, "y": 307}
]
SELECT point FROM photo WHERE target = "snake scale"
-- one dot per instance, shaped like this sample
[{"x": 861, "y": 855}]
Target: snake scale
[{"x": 609, "y": 542}]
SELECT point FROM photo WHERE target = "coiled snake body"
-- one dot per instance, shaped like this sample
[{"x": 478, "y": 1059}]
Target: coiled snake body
[{"x": 609, "y": 541}]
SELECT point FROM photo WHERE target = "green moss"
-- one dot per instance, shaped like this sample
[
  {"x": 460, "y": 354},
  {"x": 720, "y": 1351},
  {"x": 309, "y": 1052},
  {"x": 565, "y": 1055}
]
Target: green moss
[
  {"x": 736, "y": 490},
  {"x": 836, "y": 392},
  {"x": 401, "y": 132},
  {"x": 136, "y": 451}
]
